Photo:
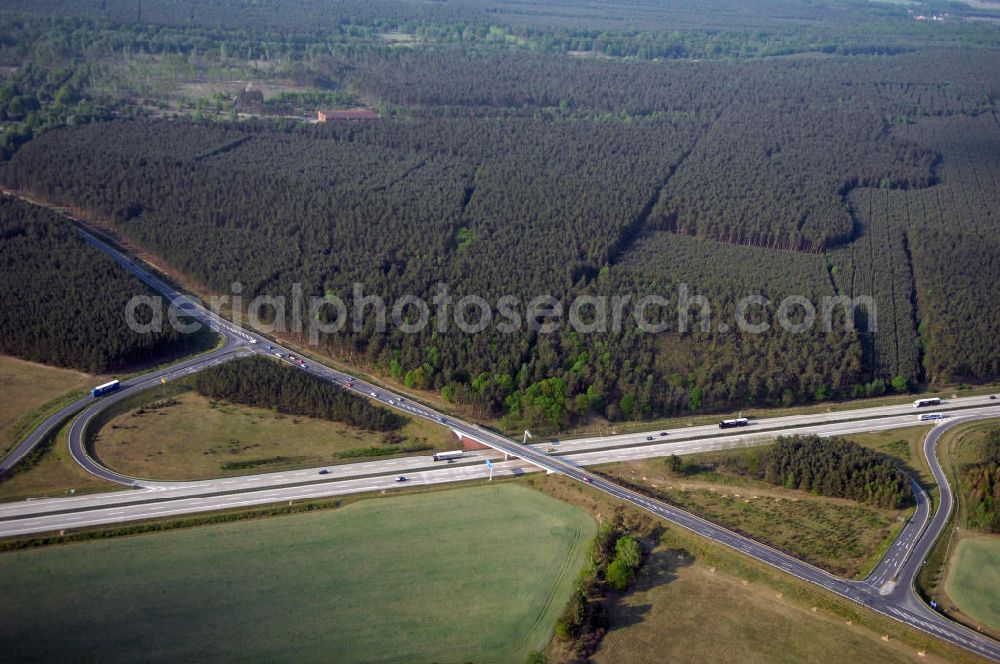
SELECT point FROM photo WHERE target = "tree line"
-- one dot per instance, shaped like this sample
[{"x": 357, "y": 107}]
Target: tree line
[
  {"x": 833, "y": 467},
  {"x": 265, "y": 383},
  {"x": 980, "y": 484},
  {"x": 613, "y": 561}
]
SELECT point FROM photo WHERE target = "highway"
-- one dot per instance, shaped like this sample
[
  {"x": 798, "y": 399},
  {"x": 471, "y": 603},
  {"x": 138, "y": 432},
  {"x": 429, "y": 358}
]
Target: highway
[
  {"x": 418, "y": 469},
  {"x": 863, "y": 415},
  {"x": 233, "y": 340},
  {"x": 889, "y": 590}
]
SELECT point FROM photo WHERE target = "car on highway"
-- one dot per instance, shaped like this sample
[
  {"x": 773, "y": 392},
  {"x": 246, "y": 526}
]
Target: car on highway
[
  {"x": 278, "y": 355},
  {"x": 400, "y": 478},
  {"x": 550, "y": 449},
  {"x": 373, "y": 394},
  {"x": 993, "y": 396},
  {"x": 587, "y": 480},
  {"x": 291, "y": 357},
  {"x": 439, "y": 419},
  {"x": 268, "y": 347},
  {"x": 663, "y": 433},
  {"x": 649, "y": 438},
  {"x": 324, "y": 472}
]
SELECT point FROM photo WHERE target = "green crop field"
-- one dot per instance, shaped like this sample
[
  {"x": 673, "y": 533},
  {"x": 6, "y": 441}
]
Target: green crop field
[
  {"x": 477, "y": 574},
  {"x": 974, "y": 579}
]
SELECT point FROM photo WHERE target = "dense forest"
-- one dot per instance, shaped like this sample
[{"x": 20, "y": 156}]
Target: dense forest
[
  {"x": 264, "y": 383},
  {"x": 62, "y": 301},
  {"x": 832, "y": 467},
  {"x": 307, "y": 15},
  {"x": 521, "y": 155},
  {"x": 980, "y": 485}
]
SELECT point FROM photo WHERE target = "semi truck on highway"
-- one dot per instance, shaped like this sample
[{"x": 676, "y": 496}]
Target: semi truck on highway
[
  {"x": 931, "y": 401},
  {"x": 105, "y": 388},
  {"x": 738, "y": 422},
  {"x": 923, "y": 417},
  {"x": 447, "y": 456}
]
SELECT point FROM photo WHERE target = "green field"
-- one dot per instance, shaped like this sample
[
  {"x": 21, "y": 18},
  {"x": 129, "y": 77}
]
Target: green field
[
  {"x": 477, "y": 574},
  {"x": 974, "y": 579}
]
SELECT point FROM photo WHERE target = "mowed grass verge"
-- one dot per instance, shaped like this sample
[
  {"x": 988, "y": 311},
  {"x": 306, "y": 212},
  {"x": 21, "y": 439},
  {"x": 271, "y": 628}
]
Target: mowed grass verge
[
  {"x": 474, "y": 574},
  {"x": 974, "y": 578},
  {"x": 197, "y": 438}
]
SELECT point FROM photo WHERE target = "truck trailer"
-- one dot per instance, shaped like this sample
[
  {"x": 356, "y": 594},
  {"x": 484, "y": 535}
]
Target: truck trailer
[{"x": 105, "y": 388}]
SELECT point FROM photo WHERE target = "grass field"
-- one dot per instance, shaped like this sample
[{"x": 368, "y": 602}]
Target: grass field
[
  {"x": 476, "y": 574},
  {"x": 53, "y": 474},
  {"x": 198, "y": 438},
  {"x": 907, "y": 445},
  {"x": 838, "y": 535},
  {"x": 29, "y": 390},
  {"x": 684, "y": 611},
  {"x": 974, "y": 579}
]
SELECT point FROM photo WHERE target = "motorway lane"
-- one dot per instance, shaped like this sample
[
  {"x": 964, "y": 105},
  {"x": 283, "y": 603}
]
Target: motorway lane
[
  {"x": 757, "y": 425},
  {"x": 402, "y": 465},
  {"x": 393, "y": 467},
  {"x": 722, "y": 442},
  {"x": 903, "y": 597},
  {"x": 152, "y": 503}
]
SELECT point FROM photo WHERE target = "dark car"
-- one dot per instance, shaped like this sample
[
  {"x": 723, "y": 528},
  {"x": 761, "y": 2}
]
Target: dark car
[
  {"x": 649, "y": 438},
  {"x": 324, "y": 472},
  {"x": 663, "y": 433}
]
